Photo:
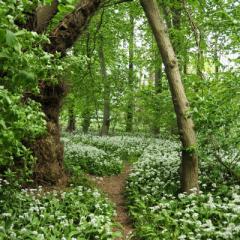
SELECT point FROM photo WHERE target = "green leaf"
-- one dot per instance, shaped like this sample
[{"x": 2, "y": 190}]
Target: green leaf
[
  {"x": 27, "y": 77},
  {"x": 11, "y": 39},
  {"x": 2, "y": 123}
]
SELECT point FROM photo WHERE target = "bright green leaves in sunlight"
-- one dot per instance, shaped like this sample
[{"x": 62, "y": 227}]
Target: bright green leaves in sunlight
[
  {"x": 22, "y": 63},
  {"x": 18, "y": 121},
  {"x": 11, "y": 40}
]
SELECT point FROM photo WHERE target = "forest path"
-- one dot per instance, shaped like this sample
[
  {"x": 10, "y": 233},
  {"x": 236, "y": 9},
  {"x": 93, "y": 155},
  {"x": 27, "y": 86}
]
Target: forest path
[{"x": 113, "y": 187}]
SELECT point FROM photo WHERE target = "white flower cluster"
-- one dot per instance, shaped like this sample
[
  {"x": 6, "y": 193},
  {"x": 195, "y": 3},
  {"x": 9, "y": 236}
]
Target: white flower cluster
[
  {"x": 161, "y": 213},
  {"x": 129, "y": 145},
  {"x": 156, "y": 171},
  {"x": 95, "y": 161},
  {"x": 79, "y": 213}
]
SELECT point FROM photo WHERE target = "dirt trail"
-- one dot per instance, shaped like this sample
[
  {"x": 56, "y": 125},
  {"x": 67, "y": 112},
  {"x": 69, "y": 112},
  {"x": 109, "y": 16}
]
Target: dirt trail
[{"x": 113, "y": 186}]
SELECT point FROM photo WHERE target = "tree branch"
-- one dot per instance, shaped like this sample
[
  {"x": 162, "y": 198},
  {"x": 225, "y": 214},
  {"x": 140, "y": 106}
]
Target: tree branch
[
  {"x": 72, "y": 26},
  {"x": 229, "y": 170},
  {"x": 116, "y": 3}
]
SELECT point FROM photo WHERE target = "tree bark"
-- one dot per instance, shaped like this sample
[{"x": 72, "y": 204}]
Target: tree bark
[
  {"x": 199, "y": 40},
  {"x": 189, "y": 166},
  {"x": 86, "y": 120},
  {"x": 48, "y": 149},
  {"x": 106, "y": 91},
  {"x": 129, "y": 120},
  {"x": 158, "y": 89},
  {"x": 176, "y": 23},
  {"x": 72, "y": 26},
  {"x": 39, "y": 19},
  {"x": 44, "y": 14},
  {"x": 71, "y": 120},
  {"x": 216, "y": 57}
]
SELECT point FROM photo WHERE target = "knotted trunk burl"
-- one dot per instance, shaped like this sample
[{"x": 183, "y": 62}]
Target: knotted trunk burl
[{"x": 48, "y": 149}]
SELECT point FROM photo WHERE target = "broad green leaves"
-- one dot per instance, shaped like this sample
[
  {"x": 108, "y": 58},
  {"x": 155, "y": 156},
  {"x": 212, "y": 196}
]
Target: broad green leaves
[
  {"x": 22, "y": 64},
  {"x": 15, "y": 116}
]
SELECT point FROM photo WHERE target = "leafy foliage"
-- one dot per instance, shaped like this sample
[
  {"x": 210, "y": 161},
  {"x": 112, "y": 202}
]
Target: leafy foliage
[
  {"x": 161, "y": 212},
  {"x": 92, "y": 160},
  {"x": 205, "y": 35},
  {"x": 78, "y": 213},
  {"x": 23, "y": 62},
  {"x": 15, "y": 116}
]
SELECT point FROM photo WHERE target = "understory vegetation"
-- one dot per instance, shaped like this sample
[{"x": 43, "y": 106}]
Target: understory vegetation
[
  {"x": 157, "y": 207},
  {"x": 79, "y": 212},
  {"x": 162, "y": 212},
  {"x": 144, "y": 94}
]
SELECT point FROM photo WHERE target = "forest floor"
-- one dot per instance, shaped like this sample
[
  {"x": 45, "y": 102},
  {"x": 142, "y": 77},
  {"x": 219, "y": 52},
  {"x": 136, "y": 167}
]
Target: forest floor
[{"x": 113, "y": 187}]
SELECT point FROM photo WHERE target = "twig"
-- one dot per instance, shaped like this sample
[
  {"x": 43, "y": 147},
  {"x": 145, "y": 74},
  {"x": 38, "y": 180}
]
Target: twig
[
  {"x": 229, "y": 170},
  {"x": 115, "y": 3}
]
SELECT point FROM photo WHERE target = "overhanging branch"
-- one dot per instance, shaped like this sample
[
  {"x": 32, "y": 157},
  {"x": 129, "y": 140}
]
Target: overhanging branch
[{"x": 116, "y": 3}]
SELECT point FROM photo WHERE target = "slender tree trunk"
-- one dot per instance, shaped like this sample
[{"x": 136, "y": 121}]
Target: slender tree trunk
[
  {"x": 106, "y": 91},
  {"x": 158, "y": 90},
  {"x": 189, "y": 166},
  {"x": 129, "y": 120},
  {"x": 177, "y": 43},
  {"x": 48, "y": 149},
  {"x": 185, "y": 67},
  {"x": 71, "y": 119},
  {"x": 86, "y": 120},
  {"x": 198, "y": 39},
  {"x": 216, "y": 57},
  {"x": 176, "y": 23},
  {"x": 200, "y": 60},
  {"x": 167, "y": 14}
]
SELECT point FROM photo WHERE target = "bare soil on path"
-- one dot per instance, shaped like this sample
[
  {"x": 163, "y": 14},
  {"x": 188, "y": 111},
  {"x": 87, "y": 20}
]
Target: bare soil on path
[{"x": 113, "y": 187}]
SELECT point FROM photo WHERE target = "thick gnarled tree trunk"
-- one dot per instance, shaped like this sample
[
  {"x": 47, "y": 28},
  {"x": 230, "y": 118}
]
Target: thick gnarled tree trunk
[
  {"x": 189, "y": 167},
  {"x": 48, "y": 149}
]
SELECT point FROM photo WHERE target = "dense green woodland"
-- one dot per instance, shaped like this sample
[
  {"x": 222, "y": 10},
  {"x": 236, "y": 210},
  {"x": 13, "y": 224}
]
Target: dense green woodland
[{"x": 93, "y": 90}]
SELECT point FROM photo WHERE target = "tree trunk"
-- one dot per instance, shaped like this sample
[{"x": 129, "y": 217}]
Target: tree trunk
[
  {"x": 49, "y": 149},
  {"x": 185, "y": 67},
  {"x": 86, "y": 120},
  {"x": 189, "y": 166},
  {"x": 200, "y": 60},
  {"x": 158, "y": 90},
  {"x": 199, "y": 40},
  {"x": 176, "y": 23},
  {"x": 106, "y": 91},
  {"x": 71, "y": 120},
  {"x": 129, "y": 120},
  {"x": 216, "y": 57}
]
